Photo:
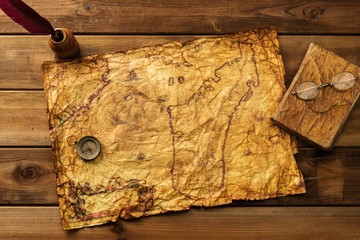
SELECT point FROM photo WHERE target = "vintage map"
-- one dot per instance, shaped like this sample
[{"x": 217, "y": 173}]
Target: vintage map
[{"x": 180, "y": 125}]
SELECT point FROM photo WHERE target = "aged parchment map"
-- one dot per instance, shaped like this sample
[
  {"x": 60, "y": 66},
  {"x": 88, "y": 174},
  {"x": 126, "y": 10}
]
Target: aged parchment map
[{"x": 180, "y": 125}]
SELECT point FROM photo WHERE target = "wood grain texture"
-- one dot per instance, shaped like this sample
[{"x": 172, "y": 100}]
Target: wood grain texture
[
  {"x": 195, "y": 17},
  {"x": 22, "y": 56},
  {"x": 331, "y": 178},
  {"x": 44, "y": 223},
  {"x": 249, "y": 223},
  {"x": 27, "y": 176},
  {"x": 23, "y": 121},
  {"x": 212, "y": 223}
]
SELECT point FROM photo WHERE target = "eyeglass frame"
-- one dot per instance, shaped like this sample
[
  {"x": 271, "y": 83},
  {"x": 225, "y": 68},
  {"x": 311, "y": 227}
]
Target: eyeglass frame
[{"x": 326, "y": 84}]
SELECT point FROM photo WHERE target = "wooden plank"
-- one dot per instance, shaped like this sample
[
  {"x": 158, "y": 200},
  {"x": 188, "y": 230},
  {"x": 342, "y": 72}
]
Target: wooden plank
[
  {"x": 195, "y": 16},
  {"x": 215, "y": 223},
  {"x": 44, "y": 223},
  {"x": 27, "y": 176},
  {"x": 249, "y": 223},
  {"x": 20, "y": 66},
  {"x": 23, "y": 121},
  {"x": 331, "y": 178},
  {"x": 22, "y": 56}
]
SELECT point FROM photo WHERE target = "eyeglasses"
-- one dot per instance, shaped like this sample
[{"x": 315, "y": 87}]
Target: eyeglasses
[{"x": 341, "y": 81}]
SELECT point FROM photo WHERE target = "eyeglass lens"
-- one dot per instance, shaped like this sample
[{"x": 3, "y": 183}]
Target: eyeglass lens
[
  {"x": 343, "y": 81},
  {"x": 309, "y": 90}
]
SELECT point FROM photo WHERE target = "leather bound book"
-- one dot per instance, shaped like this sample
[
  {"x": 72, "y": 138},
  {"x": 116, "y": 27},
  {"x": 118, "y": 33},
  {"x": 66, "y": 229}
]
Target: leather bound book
[{"x": 320, "y": 98}]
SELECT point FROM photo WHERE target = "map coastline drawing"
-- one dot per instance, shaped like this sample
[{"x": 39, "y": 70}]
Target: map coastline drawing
[{"x": 180, "y": 125}]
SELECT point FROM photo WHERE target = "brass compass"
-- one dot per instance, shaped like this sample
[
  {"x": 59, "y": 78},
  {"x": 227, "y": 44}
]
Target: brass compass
[{"x": 88, "y": 148}]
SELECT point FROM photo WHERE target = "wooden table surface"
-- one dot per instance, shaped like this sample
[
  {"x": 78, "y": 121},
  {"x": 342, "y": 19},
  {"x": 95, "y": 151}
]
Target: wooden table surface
[{"x": 28, "y": 202}]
